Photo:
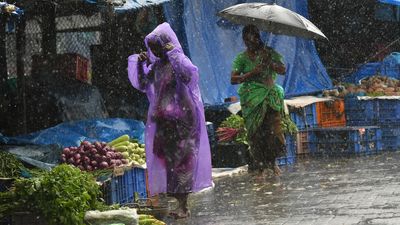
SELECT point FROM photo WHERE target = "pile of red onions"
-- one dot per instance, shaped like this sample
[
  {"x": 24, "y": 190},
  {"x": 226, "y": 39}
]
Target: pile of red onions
[{"x": 92, "y": 156}]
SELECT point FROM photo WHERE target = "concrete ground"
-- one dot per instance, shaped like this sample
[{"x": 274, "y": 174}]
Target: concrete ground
[{"x": 351, "y": 190}]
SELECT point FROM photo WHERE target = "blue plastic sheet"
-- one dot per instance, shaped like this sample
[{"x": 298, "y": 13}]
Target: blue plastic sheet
[
  {"x": 128, "y": 5},
  {"x": 213, "y": 43},
  {"x": 136, "y": 4},
  {"x": 73, "y": 133},
  {"x": 173, "y": 11},
  {"x": 13, "y": 17},
  {"x": 18, "y": 12},
  {"x": 3, "y": 139},
  {"x": 41, "y": 156},
  {"x": 390, "y": 66},
  {"x": 392, "y": 2},
  {"x": 366, "y": 70}
]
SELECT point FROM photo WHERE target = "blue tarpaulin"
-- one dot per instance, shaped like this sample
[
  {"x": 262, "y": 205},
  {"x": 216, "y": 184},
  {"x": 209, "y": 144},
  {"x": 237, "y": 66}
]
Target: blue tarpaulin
[
  {"x": 73, "y": 133},
  {"x": 392, "y": 2},
  {"x": 17, "y": 12},
  {"x": 136, "y": 4},
  {"x": 212, "y": 44},
  {"x": 390, "y": 66},
  {"x": 366, "y": 70},
  {"x": 14, "y": 15},
  {"x": 128, "y": 5}
]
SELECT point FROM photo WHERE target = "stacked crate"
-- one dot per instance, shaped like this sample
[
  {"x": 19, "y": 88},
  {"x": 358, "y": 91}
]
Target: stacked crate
[
  {"x": 302, "y": 143},
  {"x": 331, "y": 113},
  {"x": 304, "y": 118},
  {"x": 290, "y": 157},
  {"x": 319, "y": 114},
  {"x": 384, "y": 113},
  {"x": 360, "y": 113},
  {"x": 323, "y": 130},
  {"x": 127, "y": 187},
  {"x": 345, "y": 140},
  {"x": 388, "y": 118}
]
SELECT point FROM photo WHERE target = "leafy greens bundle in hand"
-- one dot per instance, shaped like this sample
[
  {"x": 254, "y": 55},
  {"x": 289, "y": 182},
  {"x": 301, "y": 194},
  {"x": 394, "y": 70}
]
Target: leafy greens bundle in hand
[
  {"x": 232, "y": 129},
  {"x": 288, "y": 126}
]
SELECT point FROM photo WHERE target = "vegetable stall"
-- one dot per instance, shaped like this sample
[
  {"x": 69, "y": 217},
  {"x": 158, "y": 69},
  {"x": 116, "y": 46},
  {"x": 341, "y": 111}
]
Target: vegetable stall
[
  {"x": 89, "y": 185},
  {"x": 363, "y": 117}
]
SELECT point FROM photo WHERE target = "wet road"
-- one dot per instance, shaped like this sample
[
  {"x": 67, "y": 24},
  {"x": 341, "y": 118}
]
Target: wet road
[{"x": 357, "y": 190}]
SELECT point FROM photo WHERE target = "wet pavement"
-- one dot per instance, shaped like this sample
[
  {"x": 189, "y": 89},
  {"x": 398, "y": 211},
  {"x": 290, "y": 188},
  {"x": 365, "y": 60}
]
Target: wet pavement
[{"x": 356, "y": 190}]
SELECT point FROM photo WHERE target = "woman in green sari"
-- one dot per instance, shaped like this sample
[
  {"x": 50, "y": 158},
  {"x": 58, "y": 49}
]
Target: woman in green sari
[{"x": 261, "y": 99}]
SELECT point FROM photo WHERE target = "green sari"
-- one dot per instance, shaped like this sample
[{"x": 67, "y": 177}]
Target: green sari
[
  {"x": 255, "y": 97},
  {"x": 261, "y": 109}
]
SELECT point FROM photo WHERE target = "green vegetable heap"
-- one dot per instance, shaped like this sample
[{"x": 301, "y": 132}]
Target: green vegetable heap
[
  {"x": 10, "y": 166},
  {"x": 62, "y": 196}
]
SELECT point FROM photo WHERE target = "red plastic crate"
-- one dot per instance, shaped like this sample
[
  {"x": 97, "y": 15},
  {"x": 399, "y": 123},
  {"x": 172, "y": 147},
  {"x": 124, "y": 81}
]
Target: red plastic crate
[
  {"x": 73, "y": 65},
  {"x": 331, "y": 114}
]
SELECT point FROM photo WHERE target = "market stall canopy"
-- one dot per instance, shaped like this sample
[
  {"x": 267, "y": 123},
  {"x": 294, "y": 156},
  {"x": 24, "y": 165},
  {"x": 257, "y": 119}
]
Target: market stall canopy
[
  {"x": 295, "y": 102},
  {"x": 392, "y": 2},
  {"x": 73, "y": 7},
  {"x": 121, "y": 6},
  {"x": 272, "y": 18}
]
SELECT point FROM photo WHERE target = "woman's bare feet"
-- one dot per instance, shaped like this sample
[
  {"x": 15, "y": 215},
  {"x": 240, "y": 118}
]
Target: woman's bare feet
[
  {"x": 180, "y": 213},
  {"x": 277, "y": 170}
]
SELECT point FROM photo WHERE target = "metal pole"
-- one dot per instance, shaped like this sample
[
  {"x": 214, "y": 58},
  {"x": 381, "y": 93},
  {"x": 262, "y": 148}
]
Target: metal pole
[
  {"x": 49, "y": 39},
  {"x": 21, "y": 45},
  {"x": 3, "y": 51}
]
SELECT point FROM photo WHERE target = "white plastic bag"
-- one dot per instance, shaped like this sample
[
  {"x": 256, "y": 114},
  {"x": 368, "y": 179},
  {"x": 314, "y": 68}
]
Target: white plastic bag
[{"x": 124, "y": 216}]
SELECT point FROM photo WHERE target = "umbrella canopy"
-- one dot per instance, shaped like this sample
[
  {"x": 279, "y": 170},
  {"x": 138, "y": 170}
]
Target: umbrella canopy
[
  {"x": 393, "y": 2},
  {"x": 272, "y": 18}
]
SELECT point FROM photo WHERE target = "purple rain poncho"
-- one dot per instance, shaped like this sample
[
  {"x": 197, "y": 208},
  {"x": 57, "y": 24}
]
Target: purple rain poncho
[{"x": 177, "y": 148}]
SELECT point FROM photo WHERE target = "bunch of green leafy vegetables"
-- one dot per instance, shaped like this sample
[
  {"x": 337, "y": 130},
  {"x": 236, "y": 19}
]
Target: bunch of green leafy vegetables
[
  {"x": 375, "y": 94},
  {"x": 288, "y": 126},
  {"x": 236, "y": 123},
  {"x": 62, "y": 195},
  {"x": 10, "y": 166},
  {"x": 6, "y": 203}
]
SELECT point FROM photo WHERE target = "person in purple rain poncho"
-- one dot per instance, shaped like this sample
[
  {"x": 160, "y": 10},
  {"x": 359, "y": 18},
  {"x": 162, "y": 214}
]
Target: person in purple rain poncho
[{"x": 177, "y": 147}]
